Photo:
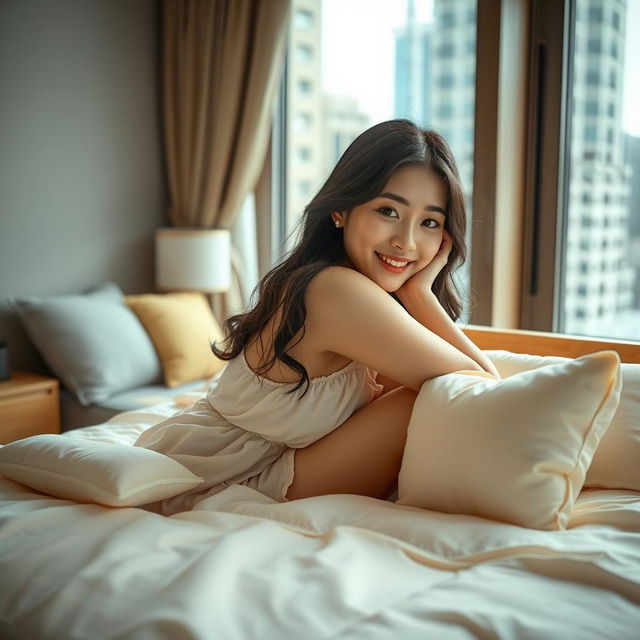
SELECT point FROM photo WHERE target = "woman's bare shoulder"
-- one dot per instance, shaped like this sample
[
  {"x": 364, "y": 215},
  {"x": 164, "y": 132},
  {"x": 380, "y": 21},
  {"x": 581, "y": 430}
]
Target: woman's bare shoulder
[
  {"x": 337, "y": 281},
  {"x": 350, "y": 315}
]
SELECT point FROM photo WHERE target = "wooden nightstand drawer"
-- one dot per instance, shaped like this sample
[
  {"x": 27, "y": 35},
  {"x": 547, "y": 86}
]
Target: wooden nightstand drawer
[{"x": 29, "y": 405}]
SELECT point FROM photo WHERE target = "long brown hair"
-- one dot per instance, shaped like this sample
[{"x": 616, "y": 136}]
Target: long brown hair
[{"x": 359, "y": 176}]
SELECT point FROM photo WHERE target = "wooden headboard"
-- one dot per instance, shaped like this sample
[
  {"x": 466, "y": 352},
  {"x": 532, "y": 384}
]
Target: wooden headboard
[{"x": 549, "y": 344}]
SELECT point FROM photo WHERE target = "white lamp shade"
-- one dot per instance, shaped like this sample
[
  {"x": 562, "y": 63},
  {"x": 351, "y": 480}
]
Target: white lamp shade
[{"x": 193, "y": 259}]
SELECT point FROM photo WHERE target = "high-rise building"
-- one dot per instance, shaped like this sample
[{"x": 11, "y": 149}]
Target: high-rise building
[
  {"x": 435, "y": 76},
  {"x": 453, "y": 89},
  {"x": 304, "y": 104},
  {"x": 601, "y": 270},
  {"x": 599, "y": 279},
  {"x": 413, "y": 71},
  {"x": 632, "y": 160},
  {"x": 343, "y": 122},
  {"x": 435, "y": 85}
]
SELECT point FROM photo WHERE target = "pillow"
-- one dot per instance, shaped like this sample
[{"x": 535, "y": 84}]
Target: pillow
[
  {"x": 92, "y": 342},
  {"x": 515, "y": 450},
  {"x": 616, "y": 462},
  {"x": 182, "y": 328},
  {"x": 115, "y": 475}
]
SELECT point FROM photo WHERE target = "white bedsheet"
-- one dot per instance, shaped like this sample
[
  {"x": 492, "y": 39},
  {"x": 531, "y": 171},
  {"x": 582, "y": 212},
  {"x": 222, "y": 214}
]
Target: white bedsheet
[{"x": 242, "y": 566}]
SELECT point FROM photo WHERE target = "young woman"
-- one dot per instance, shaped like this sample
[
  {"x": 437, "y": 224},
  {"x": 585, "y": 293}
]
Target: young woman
[{"x": 324, "y": 370}]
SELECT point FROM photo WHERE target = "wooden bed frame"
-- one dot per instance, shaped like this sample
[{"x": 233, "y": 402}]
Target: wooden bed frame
[{"x": 549, "y": 344}]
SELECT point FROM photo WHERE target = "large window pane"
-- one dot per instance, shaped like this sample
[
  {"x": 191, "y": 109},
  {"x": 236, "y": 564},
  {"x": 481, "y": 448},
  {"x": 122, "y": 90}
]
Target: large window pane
[
  {"x": 353, "y": 63},
  {"x": 600, "y": 288}
]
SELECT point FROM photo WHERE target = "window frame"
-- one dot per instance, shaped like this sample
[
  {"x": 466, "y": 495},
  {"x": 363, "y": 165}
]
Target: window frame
[
  {"x": 500, "y": 144},
  {"x": 548, "y": 163},
  {"x": 522, "y": 75}
]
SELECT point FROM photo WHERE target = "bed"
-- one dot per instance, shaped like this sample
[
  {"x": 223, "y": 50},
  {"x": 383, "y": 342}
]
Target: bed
[{"x": 240, "y": 565}]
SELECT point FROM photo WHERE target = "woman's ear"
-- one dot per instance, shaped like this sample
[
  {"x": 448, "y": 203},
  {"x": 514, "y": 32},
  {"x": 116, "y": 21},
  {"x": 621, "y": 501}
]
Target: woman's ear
[{"x": 338, "y": 219}]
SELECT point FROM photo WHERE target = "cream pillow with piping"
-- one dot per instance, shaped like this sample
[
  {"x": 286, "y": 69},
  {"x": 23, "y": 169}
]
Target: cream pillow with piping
[
  {"x": 114, "y": 475},
  {"x": 616, "y": 462},
  {"x": 515, "y": 450}
]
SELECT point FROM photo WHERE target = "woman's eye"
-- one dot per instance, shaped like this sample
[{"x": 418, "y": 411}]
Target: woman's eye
[
  {"x": 387, "y": 211},
  {"x": 431, "y": 223}
]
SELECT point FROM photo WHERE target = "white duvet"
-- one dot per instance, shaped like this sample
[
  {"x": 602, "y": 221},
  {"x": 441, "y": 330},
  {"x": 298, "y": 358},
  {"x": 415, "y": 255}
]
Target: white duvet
[{"x": 242, "y": 566}]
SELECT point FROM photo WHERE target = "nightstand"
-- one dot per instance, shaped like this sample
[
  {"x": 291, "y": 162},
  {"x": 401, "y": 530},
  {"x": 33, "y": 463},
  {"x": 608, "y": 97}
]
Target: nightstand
[{"x": 29, "y": 405}]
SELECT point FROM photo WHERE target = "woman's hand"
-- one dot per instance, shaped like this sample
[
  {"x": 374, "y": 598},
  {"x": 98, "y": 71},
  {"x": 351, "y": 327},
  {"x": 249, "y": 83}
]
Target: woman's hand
[{"x": 424, "y": 279}]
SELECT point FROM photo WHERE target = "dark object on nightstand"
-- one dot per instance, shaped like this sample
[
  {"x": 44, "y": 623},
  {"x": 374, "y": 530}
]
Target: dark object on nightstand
[{"x": 5, "y": 369}]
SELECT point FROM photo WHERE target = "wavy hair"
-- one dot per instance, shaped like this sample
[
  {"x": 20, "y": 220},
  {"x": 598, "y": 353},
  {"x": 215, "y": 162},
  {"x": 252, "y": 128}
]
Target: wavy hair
[{"x": 359, "y": 176}]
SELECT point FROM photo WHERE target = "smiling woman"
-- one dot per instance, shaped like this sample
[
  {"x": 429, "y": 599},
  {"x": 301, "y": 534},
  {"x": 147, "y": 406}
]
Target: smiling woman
[
  {"x": 399, "y": 232},
  {"x": 317, "y": 376}
]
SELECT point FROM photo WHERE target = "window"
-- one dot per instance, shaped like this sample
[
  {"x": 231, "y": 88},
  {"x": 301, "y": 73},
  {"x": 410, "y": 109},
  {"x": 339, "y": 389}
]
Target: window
[
  {"x": 445, "y": 81},
  {"x": 305, "y": 154},
  {"x": 422, "y": 65},
  {"x": 447, "y": 50},
  {"x": 616, "y": 20},
  {"x": 405, "y": 59},
  {"x": 304, "y": 53},
  {"x": 447, "y": 19},
  {"x": 594, "y": 46},
  {"x": 304, "y": 187},
  {"x": 303, "y": 18},
  {"x": 305, "y": 86},
  {"x": 613, "y": 311},
  {"x": 595, "y": 15},
  {"x": 445, "y": 110},
  {"x": 302, "y": 121}
]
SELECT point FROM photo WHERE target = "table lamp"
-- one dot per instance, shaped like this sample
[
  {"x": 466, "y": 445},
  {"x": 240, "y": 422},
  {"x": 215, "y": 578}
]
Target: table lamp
[{"x": 190, "y": 259}]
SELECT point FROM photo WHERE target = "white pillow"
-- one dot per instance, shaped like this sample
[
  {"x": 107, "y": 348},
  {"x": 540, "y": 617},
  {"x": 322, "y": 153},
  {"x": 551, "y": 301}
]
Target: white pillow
[
  {"x": 616, "y": 462},
  {"x": 111, "y": 474},
  {"x": 515, "y": 450}
]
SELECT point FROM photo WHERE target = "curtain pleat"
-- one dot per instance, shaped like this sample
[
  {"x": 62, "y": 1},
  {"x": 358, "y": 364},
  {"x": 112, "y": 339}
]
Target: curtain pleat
[{"x": 223, "y": 60}]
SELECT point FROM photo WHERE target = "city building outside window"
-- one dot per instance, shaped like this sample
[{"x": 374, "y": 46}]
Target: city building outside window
[
  {"x": 605, "y": 146},
  {"x": 407, "y": 59}
]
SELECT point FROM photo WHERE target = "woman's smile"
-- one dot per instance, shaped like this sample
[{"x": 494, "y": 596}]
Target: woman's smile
[
  {"x": 395, "y": 265},
  {"x": 400, "y": 231}
]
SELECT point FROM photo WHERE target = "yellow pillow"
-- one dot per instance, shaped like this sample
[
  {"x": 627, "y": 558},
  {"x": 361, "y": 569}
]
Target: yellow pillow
[
  {"x": 515, "y": 450},
  {"x": 182, "y": 328}
]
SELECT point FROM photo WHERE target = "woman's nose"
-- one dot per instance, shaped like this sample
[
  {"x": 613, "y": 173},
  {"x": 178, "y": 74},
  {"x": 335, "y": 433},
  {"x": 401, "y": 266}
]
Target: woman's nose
[{"x": 404, "y": 238}]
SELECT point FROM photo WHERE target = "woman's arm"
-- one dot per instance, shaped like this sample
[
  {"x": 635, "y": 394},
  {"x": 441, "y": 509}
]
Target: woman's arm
[
  {"x": 417, "y": 296},
  {"x": 426, "y": 309},
  {"x": 350, "y": 315}
]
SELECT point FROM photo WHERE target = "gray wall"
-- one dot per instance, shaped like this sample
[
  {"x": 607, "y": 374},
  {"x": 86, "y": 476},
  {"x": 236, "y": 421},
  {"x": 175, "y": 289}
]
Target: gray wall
[{"x": 82, "y": 183}]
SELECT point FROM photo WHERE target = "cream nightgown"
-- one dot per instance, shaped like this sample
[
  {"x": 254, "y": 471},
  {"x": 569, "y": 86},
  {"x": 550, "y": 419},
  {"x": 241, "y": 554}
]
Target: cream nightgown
[{"x": 247, "y": 428}]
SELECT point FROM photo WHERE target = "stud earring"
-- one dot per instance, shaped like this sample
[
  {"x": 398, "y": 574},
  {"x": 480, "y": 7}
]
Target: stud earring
[{"x": 337, "y": 223}]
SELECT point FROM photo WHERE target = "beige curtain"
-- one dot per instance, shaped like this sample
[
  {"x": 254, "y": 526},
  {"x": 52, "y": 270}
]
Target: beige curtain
[{"x": 223, "y": 61}]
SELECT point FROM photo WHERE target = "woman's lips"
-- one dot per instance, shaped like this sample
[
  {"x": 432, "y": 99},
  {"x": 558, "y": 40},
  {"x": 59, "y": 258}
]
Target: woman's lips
[{"x": 398, "y": 266}]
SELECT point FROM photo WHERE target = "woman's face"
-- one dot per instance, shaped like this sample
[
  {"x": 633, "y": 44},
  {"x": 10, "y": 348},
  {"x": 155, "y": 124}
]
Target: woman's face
[{"x": 393, "y": 236}]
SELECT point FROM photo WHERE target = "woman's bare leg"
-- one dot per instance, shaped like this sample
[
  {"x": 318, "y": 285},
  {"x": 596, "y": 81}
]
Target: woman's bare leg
[{"x": 361, "y": 456}]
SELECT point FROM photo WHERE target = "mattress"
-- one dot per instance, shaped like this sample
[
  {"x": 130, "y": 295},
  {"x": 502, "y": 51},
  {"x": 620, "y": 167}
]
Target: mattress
[{"x": 242, "y": 566}]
